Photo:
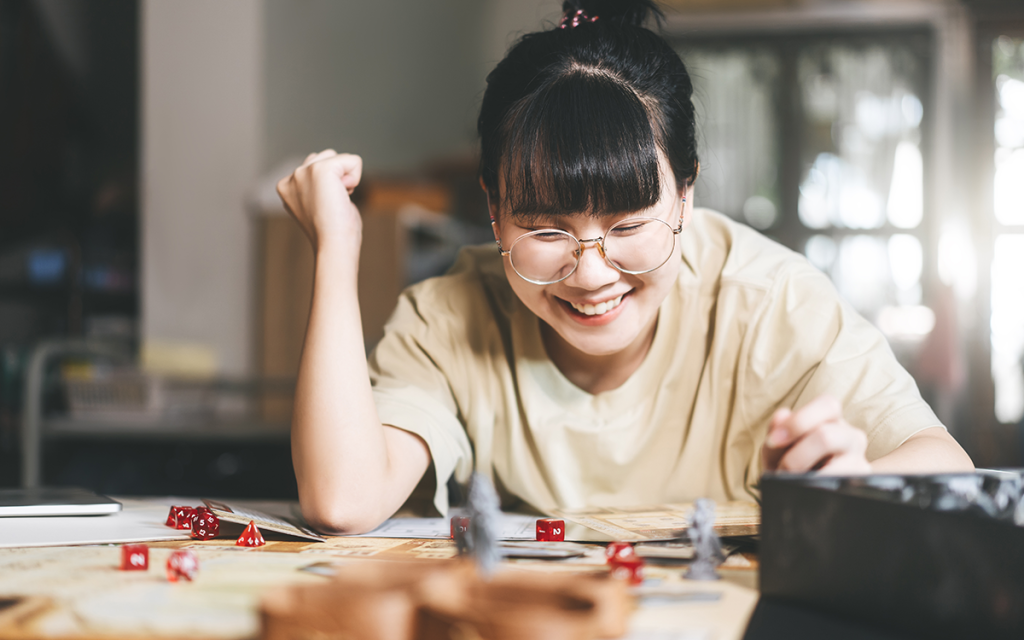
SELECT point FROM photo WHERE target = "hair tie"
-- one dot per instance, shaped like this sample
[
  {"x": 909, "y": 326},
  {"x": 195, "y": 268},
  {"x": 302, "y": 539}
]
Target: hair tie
[{"x": 575, "y": 19}]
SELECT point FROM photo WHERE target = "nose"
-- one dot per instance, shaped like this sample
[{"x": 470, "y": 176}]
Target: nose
[{"x": 593, "y": 271}]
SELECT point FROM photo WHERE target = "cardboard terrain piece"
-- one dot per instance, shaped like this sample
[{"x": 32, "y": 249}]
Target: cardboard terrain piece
[{"x": 433, "y": 600}]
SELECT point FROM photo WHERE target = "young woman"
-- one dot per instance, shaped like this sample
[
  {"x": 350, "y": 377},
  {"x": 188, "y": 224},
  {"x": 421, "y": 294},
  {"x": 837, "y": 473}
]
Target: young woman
[{"x": 617, "y": 347}]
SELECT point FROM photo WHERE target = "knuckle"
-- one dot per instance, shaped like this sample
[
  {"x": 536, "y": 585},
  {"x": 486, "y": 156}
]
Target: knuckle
[
  {"x": 824, "y": 438},
  {"x": 833, "y": 438}
]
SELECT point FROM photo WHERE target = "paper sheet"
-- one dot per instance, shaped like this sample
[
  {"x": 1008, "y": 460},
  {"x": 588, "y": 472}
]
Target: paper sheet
[
  {"x": 514, "y": 526},
  {"x": 138, "y": 521},
  {"x": 233, "y": 512}
]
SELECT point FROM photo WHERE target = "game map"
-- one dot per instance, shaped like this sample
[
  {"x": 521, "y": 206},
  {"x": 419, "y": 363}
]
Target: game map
[{"x": 664, "y": 522}]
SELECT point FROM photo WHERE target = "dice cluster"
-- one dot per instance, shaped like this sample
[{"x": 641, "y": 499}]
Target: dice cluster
[
  {"x": 548, "y": 529},
  {"x": 203, "y": 524},
  {"x": 622, "y": 559},
  {"x": 183, "y": 564}
]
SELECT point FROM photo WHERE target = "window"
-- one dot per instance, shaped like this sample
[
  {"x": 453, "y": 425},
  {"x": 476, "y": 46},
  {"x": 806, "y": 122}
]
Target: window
[
  {"x": 1007, "y": 285},
  {"x": 817, "y": 141}
]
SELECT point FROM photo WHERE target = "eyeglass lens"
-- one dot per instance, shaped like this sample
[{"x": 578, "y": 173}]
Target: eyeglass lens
[{"x": 635, "y": 245}]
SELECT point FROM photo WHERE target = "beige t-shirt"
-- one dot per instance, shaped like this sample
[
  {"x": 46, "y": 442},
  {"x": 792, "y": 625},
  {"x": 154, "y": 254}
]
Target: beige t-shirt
[{"x": 749, "y": 327}]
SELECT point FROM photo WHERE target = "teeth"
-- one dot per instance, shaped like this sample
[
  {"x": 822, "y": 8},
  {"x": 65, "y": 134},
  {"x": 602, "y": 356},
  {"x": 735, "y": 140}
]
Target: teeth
[{"x": 598, "y": 309}]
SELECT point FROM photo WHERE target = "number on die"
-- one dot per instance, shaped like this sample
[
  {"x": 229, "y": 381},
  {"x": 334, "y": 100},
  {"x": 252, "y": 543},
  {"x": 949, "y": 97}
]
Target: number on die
[
  {"x": 134, "y": 557},
  {"x": 205, "y": 525},
  {"x": 183, "y": 564},
  {"x": 460, "y": 526}
]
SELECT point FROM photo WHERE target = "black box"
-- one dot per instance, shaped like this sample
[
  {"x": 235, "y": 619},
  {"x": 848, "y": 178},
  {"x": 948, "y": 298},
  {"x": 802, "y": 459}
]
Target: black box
[{"x": 936, "y": 556}]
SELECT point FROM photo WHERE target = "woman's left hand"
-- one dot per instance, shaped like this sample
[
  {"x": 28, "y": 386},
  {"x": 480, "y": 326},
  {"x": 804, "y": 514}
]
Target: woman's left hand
[{"x": 815, "y": 438}]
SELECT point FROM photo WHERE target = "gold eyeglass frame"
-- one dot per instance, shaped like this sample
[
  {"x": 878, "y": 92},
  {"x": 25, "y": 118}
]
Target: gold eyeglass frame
[{"x": 581, "y": 246}]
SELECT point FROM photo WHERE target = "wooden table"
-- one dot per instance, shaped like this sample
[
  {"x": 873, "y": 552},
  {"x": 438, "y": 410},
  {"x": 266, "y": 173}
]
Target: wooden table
[{"x": 78, "y": 592}]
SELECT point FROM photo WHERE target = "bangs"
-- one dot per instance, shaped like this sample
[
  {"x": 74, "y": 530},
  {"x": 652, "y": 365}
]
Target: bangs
[{"x": 584, "y": 144}]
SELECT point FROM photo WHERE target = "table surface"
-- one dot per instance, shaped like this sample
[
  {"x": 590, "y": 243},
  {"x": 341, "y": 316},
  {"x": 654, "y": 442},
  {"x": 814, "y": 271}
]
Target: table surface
[{"x": 78, "y": 592}]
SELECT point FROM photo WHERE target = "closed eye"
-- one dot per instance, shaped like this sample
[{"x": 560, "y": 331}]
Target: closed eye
[
  {"x": 548, "y": 236},
  {"x": 630, "y": 229}
]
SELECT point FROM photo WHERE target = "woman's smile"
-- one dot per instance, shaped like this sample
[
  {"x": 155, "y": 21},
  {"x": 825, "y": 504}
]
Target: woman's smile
[{"x": 594, "y": 314}]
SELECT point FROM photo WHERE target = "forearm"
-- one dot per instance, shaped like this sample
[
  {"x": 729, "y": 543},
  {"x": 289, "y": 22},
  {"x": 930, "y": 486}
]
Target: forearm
[
  {"x": 344, "y": 460},
  {"x": 929, "y": 451}
]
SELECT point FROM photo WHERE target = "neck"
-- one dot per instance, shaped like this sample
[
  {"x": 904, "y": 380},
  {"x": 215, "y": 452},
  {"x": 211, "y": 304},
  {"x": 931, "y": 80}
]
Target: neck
[{"x": 595, "y": 374}]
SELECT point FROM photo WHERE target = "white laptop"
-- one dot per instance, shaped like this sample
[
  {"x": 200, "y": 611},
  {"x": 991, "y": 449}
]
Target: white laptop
[{"x": 55, "y": 501}]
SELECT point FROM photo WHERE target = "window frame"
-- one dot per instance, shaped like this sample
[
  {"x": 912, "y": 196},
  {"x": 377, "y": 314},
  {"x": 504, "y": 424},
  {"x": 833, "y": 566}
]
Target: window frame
[{"x": 997, "y": 443}]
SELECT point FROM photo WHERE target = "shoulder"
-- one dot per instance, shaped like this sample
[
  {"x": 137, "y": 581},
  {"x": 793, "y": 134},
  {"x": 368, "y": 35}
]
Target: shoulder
[
  {"x": 733, "y": 253},
  {"x": 473, "y": 293},
  {"x": 795, "y": 311},
  {"x": 725, "y": 256},
  {"x": 785, "y": 304}
]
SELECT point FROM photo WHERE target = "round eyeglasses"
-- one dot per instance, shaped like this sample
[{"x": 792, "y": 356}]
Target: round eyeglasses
[{"x": 633, "y": 245}]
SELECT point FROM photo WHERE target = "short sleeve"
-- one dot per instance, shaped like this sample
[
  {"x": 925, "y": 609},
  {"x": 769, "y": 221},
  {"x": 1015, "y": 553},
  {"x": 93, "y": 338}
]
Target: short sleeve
[
  {"x": 807, "y": 342},
  {"x": 412, "y": 391}
]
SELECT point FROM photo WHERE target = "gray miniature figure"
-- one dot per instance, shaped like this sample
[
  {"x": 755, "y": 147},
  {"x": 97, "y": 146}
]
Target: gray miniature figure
[
  {"x": 484, "y": 511},
  {"x": 707, "y": 548}
]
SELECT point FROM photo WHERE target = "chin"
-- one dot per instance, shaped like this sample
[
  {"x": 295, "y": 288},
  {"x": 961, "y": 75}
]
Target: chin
[{"x": 587, "y": 342}]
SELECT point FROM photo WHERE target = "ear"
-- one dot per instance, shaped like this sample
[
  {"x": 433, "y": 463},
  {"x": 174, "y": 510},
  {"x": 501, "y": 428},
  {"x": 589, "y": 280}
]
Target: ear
[{"x": 492, "y": 209}]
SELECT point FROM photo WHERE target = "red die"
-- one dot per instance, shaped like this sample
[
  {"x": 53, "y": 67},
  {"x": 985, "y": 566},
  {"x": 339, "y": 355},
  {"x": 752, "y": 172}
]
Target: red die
[
  {"x": 134, "y": 557},
  {"x": 170, "y": 517},
  {"x": 630, "y": 569},
  {"x": 251, "y": 537},
  {"x": 182, "y": 564},
  {"x": 205, "y": 525},
  {"x": 460, "y": 525},
  {"x": 182, "y": 517},
  {"x": 549, "y": 529},
  {"x": 619, "y": 552}
]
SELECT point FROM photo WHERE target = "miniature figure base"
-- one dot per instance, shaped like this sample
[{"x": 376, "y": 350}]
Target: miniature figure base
[{"x": 702, "y": 571}]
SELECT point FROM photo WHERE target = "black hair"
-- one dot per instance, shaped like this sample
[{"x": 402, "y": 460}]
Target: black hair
[{"x": 573, "y": 118}]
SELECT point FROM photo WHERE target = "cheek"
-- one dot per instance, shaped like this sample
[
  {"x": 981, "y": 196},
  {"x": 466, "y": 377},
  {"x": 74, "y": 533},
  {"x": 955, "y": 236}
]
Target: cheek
[
  {"x": 529, "y": 294},
  {"x": 654, "y": 287}
]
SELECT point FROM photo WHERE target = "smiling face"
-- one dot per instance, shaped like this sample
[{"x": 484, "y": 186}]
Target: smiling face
[{"x": 599, "y": 310}]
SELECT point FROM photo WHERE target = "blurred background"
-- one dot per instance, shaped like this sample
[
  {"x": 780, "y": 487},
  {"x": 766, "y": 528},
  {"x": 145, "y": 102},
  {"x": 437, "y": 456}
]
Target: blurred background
[{"x": 153, "y": 293}]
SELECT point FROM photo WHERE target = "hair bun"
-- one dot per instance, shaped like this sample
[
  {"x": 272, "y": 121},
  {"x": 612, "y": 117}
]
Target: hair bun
[{"x": 631, "y": 12}]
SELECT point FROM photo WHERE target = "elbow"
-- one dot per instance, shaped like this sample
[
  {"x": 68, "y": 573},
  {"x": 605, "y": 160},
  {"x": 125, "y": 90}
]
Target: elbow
[
  {"x": 965, "y": 462},
  {"x": 339, "y": 519}
]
